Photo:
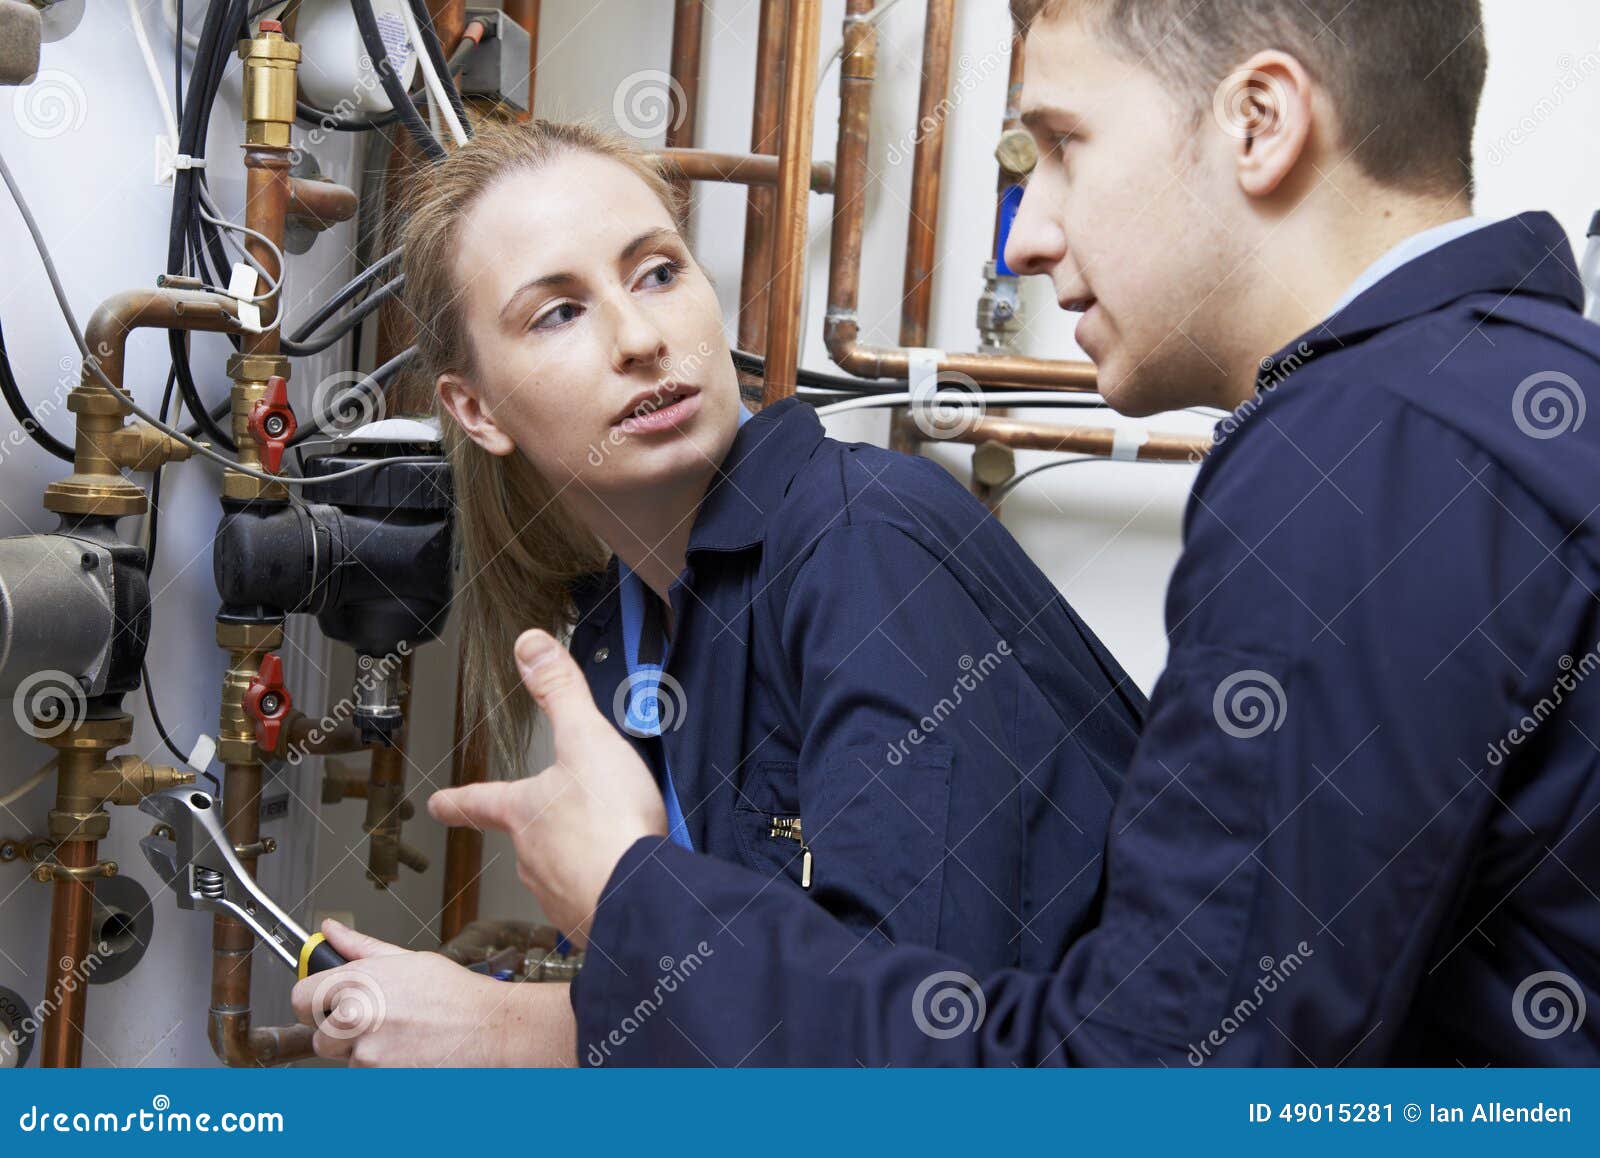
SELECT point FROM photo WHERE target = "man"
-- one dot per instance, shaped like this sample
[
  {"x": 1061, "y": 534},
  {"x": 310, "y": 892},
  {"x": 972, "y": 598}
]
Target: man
[{"x": 1360, "y": 824}]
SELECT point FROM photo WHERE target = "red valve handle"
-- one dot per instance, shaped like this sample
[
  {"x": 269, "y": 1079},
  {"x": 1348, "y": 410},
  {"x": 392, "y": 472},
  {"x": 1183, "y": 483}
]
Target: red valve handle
[
  {"x": 272, "y": 423},
  {"x": 267, "y": 701}
]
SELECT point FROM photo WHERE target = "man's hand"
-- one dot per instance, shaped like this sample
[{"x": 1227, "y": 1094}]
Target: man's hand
[
  {"x": 572, "y": 822},
  {"x": 394, "y": 1007}
]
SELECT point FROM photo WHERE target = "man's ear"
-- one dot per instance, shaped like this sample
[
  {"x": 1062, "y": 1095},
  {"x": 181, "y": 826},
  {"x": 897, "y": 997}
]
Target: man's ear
[
  {"x": 1266, "y": 105},
  {"x": 461, "y": 400}
]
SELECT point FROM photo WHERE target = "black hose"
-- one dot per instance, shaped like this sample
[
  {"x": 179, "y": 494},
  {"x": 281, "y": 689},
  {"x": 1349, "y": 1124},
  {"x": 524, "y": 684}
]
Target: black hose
[
  {"x": 223, "y": 19},
  {"x": 354, "y": 286},
  {"x": 300, "y": 346},
  {"x": 435, "y": 51},
  {"x": 319, "y": 425},
  {"x": 19, "y": 409},
  {"x": 372, "y": 40}
]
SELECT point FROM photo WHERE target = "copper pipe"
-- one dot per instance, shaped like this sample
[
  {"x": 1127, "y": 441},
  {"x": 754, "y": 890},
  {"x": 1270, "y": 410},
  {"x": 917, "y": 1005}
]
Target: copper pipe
[
  {"x": 386, "y": 787},
  {"x": 266, "y": 205},
  {"x": 321, "y": 204},
  {"x": 71, "y": 921},
  {"x": 344, "y": 737},
  {"x": 926, "y": 172},
  {"x": 794, "y": 179},
  {"x": 842, "y": 328},
  {"x": 164, "y": 309},
  {"x": 449, "y": 19},
  {"x": 687, "y": 39},
  {"x": 1096, "y": 440},
  {"x": 1010, "y": 122},
  {"x": 463, "y": 849},
  {"x": 761, "y": 201},
  {"x": 738, "y": 168},
  {"x": 526, "y": 13}
]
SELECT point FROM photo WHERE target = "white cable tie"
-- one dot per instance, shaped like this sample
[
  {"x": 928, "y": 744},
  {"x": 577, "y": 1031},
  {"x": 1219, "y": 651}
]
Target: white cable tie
[
  {"x": 203, "y": 752},
  {"x": 242, "y": 282},
  {"x": 1127, "y": 442},
  {"x": 922, "y": 372},
  {"x": 184, "y": 161}
]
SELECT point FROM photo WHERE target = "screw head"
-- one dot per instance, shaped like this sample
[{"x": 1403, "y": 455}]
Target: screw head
[{"x": 89, "y": 560}]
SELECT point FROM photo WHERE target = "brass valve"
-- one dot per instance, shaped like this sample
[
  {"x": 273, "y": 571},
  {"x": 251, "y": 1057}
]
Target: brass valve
[{"x": 269, "y": 85}]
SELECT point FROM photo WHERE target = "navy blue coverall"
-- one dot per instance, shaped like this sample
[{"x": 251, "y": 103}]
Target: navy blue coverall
[
  {"x": 877, "y": 702},
  {"x": 1360, "y": 826}
]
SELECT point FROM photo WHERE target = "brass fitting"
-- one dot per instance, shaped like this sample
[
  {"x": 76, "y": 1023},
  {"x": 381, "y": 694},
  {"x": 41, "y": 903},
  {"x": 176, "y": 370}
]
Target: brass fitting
[
  {"x": 269, "y": 86},
  {"x": 138, "y": 446},
  {"x": 859, "y": 56},
  {"x": 1017, "y": 153},
  {"x": 250, "y": 373},
  {"x": 86, "y": 781},
  {"x": 993, "y": 464},
  {"x": 245, "y": 643}
]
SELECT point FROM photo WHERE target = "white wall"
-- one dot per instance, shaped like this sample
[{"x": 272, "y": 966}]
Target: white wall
[{"x": 1107, "y": 534}]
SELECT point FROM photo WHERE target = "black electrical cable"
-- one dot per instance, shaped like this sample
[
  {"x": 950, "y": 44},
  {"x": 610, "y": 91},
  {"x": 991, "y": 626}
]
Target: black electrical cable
[
  {"x": 349, "y": 290},
  {"x": 19, "y": 409},
  {"x": 356, "y": 394},
  {"x": 328, "y": 119},
  {"x": 155, "y": 482},
  {"x": 155, "y": 717},
  {"x": 372, "y": 39},
  {"x": 224, "y": 18},
  {"x": 301, "y": 346},
  {"x": 435, "y": 51}
]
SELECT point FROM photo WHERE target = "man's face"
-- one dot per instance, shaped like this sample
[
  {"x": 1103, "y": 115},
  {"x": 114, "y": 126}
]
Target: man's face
[{"x": 1128, "y": 215}]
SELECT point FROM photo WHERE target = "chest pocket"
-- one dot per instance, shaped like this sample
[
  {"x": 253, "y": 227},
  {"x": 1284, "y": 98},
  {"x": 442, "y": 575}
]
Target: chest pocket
[
  {"x": 767, "y": 822},
  {"x": 870, "y": 845}
]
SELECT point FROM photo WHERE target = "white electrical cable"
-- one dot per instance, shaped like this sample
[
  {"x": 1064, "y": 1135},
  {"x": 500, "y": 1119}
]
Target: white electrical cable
[
  {"x": 154, "y": 70},
  {"x": 438, "y": 101},
  {"x": 960, "y": 398},
  {"x": 92, "y": 362},
  {"x": 29, "y": 784}
]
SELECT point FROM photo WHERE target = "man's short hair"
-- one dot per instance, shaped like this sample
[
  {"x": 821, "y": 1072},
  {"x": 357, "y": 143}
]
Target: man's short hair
[{"x": 1406, "y": 76}]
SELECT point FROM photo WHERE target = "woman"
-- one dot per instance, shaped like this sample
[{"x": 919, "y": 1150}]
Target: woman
[{"x": 843, "y": 672}]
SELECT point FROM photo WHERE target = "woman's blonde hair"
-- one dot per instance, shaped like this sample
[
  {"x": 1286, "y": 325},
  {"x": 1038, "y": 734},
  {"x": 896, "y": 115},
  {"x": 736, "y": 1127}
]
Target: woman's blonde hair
[{"x": 520, "y": 549}]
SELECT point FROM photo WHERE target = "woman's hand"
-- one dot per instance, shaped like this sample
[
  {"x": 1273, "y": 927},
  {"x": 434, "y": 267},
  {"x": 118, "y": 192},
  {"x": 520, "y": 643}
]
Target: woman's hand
[
  {"x": 394, "y": 1007},
  {"x": 572, "y": 822}
]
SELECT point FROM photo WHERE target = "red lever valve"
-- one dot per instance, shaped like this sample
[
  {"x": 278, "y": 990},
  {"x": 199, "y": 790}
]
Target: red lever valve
[
  {"x": 267, "y": 701},
  {"x": 272, "y": 423}
]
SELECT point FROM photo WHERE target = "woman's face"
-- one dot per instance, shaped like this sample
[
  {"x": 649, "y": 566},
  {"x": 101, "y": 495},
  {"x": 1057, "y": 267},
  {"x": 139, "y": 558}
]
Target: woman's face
[{"x": 597, "y": 342}]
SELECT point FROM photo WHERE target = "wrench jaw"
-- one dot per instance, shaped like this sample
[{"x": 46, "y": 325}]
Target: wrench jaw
[{"x": 199, "y": 865}]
